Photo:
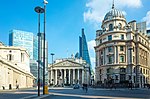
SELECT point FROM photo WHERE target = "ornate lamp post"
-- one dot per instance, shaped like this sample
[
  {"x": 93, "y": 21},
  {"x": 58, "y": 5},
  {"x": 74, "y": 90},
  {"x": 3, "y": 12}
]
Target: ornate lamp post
[{"x": 39, "y": 10}]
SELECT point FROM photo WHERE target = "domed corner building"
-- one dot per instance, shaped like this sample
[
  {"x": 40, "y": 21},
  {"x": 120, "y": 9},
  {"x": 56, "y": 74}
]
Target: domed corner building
[{"x": 122, "y": 51}]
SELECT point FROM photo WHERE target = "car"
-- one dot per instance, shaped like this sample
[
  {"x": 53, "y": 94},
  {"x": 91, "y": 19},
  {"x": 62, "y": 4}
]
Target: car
[{"x": 76, "y": 86}]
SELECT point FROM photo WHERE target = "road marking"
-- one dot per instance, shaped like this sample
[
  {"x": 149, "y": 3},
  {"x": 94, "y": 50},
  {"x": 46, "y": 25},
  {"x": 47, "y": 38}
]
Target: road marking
[
  {"x": 29, "y": 97},
  {"x": 94, "y": 97},
  {"x": 43, "y": 96}
]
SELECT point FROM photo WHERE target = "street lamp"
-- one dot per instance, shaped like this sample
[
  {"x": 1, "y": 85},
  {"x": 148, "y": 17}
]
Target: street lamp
[
  {"x": 130, "y": 49},
  {"x": 52, "y": 65},
  {"x": 45, "y": 2},
  {"x": 52, "y": 58},
  {"x": 39, "y": 10}
]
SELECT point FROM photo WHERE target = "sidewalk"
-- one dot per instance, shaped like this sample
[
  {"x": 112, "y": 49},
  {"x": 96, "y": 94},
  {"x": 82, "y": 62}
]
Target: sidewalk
[{"x": 8, "y": 90}]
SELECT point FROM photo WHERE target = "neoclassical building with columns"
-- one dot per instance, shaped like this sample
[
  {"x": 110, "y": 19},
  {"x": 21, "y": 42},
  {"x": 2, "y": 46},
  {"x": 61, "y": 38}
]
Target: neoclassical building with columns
[
  {"x": 14, "y": 68},
  {"x": 122, "y": 50},
  {"x": 69, "y": 71}
]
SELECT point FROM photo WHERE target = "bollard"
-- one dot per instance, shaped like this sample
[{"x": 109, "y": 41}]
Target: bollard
[{"x": 46, "y": 89}]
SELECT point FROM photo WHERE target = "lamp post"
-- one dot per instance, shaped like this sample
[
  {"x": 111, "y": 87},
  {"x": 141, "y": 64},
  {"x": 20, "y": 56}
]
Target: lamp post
[
  {"x": 52, "y": 58},
  {"x": 39, "y": 10},
  {"x": 130, "y": 49},
  {"x": 45, "y": 2},
  {"x": 52, "y": 64}
]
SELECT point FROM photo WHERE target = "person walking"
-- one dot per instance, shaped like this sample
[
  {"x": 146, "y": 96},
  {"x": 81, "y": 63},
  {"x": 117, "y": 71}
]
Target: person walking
[{"x": 86, "y": 88}]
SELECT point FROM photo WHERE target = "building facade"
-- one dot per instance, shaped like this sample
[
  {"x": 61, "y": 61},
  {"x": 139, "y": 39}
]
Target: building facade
[
  {"x": 14, "y": 68},
  {"x": 30, "y": 41},
  {"x": 122, "y": 50},
  {"x": 69, "y": 71}
]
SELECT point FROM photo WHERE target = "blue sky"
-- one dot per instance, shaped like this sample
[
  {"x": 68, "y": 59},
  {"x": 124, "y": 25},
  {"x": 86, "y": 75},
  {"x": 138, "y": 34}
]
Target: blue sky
[{"x": 65, "y": 19}]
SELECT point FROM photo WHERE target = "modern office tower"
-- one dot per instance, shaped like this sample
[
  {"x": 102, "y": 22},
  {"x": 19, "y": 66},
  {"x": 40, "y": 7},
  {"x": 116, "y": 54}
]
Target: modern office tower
[
  {"x": 122, "y": 51},
  {"x": 83, "y": 49},
  {"x": 35, "y": 47},
  {"x": 24, "y": 39}
]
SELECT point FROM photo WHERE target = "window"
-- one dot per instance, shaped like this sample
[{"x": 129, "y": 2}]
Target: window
[
  {"x": 104, "y": 29},
  {"x": 139, "y": 39},
  {"x": 9, "y": 57},
  {"x": 134, "y": 78},
  {"x": 100, "y": 71},
  {"x": 120, "y": 26},
  {"x": 134, "y": 70},
  {"x": 141, "y": 70},
  {"x": 100, "y": 41},
  {"x": 108, "y": 70},
  {"x": 116, "y": 77},
  {"x": 133, "y": 37},
  {"x": 122, "y": 70},
  {"x": 109, "y": 49},
  {"x": 121, "y": 58},
  {"x": 102, "y": 60},
  {"x": 121, "y": 48},
  {"x": 122, "y": 37},
  {"x": 101, "y": 52},
  {"x": 110, "y": 27},
  {"x": 22, "y": 57},
  {"x": 110, "y": 59},
  {"x": 109, "y": 37}
]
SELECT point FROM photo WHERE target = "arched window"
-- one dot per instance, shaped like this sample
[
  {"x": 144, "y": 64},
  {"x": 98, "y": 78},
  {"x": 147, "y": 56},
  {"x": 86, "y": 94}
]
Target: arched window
[
  {"x": 120, "y": 26},
  {"x": 110, "y": 27}
]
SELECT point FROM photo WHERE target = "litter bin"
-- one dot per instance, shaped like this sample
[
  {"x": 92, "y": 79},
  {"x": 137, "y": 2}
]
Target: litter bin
[{"x": 10, "y": 86}]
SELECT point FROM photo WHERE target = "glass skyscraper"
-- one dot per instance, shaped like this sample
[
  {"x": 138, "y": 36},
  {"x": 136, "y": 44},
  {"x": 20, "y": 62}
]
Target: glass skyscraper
[
  {"x": 83, "y": 49},
  {"x": 26, "y": 40}
]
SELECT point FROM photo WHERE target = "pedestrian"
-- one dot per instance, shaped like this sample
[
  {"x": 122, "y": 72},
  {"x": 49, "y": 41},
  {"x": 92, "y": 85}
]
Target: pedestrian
[
  {"x": 83, "y": 86},
  {"x": 86, "y": 88}
]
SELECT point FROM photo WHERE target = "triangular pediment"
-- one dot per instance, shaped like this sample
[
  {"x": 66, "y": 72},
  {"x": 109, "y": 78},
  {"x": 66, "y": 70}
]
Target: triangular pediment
[{"x": 67, "y": 63}]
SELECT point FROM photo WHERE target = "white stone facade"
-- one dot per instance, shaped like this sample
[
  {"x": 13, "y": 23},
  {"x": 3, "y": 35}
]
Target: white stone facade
[
  {"x": 69, "y": 71},
  {"x": 113, "y": 57},
  {"x": 14, "y": 68}
]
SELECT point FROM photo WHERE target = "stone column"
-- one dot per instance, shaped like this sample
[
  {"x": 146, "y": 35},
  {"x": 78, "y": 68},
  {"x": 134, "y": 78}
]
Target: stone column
[
  {"x": 65, "y": 76},
  {"x": 82, "y": 76},
  {"x": 78, "y": 76},
  {"x": 114, "y": 55},
  {"x": 51, "y": 77},
  {"x": 69, "y": 76},
  {"x": 61, "y": 73},
  {"x": 73, "y": 76},
  {"x": 55, "y": 76},
  {"x": 61, "y": 77}
]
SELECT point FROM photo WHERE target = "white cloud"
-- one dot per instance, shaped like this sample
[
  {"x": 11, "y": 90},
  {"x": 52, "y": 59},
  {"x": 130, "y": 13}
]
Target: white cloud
[
  {"x": 147, "y": 19},
  {"x": 91, "y": 45},
  {"x": 96, "y": 9}
]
